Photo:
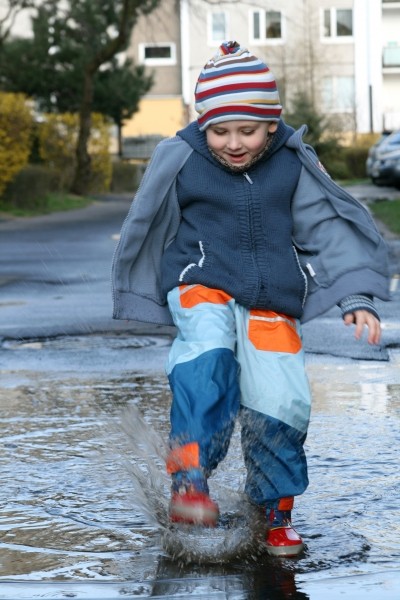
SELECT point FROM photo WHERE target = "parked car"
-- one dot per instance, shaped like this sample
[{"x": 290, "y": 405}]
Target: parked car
[
  {"x": 373, "y": 151},
  {"x": 384, "y": 169},
  {"x": 396, "y": 174}
]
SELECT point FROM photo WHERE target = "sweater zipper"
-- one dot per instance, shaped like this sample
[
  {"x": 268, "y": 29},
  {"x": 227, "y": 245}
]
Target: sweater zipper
[
  {"x": 247, "y": 176},
  {"x": 253, "y": 249}
]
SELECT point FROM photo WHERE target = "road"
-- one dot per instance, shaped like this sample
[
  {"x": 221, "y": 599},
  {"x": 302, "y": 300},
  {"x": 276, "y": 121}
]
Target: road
[{"x": 55, "y": 280}]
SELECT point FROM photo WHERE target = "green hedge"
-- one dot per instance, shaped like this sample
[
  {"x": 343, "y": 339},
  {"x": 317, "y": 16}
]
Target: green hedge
[
  {"x": 348, "y": 162},
  {"x": 31, "y": 186},
  {"x": 36, "y": 181},
  {"x": 126, "y": 176},
  {"x": 355, "y": 158}
]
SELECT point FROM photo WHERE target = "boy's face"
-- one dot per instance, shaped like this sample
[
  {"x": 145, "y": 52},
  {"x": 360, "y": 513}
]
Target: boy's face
[{"x": 238, "y": 142}]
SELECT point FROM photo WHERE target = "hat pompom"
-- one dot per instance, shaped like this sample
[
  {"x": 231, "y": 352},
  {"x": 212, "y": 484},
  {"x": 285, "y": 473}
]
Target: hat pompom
[
  {"x": 228, "y": 48},
  {"x": 236, "y": 85}
]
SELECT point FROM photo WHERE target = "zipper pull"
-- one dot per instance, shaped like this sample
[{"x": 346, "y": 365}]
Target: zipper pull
[
  {"x": 310, "y": 269},
  {"x": 246, "y": 175}
]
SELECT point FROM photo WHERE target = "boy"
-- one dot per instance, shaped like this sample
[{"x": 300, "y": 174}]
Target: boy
[{"x": 235, "y": 235}]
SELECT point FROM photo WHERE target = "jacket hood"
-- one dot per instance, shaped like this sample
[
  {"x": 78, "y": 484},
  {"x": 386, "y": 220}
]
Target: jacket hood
[{"x": 198, "y": 141}]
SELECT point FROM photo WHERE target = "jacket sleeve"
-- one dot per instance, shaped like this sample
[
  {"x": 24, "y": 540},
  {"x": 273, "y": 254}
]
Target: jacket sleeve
[
  {"x": 150, "y": 225},
  {"x": 339, "y": 246},
  {"x": 358, "y": 302}
]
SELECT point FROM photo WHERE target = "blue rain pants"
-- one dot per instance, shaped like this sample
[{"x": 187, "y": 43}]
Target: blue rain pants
[{"x": 228, "y": 362}]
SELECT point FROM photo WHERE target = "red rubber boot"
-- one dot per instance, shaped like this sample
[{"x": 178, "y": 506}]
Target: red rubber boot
[
  {"x": 282, "y": 539},
  {"x": 190, "y": 500}
]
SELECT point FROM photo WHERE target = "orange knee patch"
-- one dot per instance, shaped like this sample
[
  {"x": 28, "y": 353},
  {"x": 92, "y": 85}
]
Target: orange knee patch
[
  {"x": 286, "y": 503},
  {"x": 273, "y": 332},
  {"x": 183, "y": 458},
  {"x": 191, "y": 295}
]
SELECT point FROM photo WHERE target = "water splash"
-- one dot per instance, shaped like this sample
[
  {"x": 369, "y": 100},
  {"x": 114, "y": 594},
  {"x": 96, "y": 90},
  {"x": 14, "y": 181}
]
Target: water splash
[{"x": 241, "y": 527}]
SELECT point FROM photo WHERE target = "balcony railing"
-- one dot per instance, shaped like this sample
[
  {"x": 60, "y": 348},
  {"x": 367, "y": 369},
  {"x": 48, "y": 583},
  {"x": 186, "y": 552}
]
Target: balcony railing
[{"x": 391, "y": 56}]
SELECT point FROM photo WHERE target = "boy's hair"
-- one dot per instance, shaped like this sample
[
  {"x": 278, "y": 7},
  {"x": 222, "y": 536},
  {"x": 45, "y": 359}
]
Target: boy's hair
[{"x": 236, "y": 85}]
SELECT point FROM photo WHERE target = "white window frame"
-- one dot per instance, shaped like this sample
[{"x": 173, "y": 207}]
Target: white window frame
[
  {"x": 336, "y": 86},
  {"x": 210, "y": 39},
  {"x": 334, "y": 38},
  {"x": 157, "y": 62},
  {"x": 264, "y": 41}
]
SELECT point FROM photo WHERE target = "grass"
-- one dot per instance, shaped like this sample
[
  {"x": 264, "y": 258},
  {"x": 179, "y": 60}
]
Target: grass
[
  {"x": 49, "y": 204},
  {"x": 349, "y": 182},
  {"x": 388, "y": 212}
]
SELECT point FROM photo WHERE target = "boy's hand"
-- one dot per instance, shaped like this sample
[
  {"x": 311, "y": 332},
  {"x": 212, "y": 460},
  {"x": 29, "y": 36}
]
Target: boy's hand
[{"x": 363, "y": 318}]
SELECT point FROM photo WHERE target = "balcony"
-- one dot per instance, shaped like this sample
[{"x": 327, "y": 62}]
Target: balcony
[{"x": 391, "y": 55}]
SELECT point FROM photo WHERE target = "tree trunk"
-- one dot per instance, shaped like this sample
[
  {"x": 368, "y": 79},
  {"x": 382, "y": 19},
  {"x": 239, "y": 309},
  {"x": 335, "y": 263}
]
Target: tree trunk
[
  {"x": 120, "y": 148},
  {"x": 81, "y": 183},
  {"x": 129, "y": 10}
]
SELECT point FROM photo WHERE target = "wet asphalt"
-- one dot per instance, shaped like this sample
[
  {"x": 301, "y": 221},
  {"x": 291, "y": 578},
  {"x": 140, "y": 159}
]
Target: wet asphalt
[{"x": 55, "y": 322}]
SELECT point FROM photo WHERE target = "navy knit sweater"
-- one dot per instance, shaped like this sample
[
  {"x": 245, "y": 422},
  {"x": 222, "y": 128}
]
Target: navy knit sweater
[{"x": 236, "y": 229}]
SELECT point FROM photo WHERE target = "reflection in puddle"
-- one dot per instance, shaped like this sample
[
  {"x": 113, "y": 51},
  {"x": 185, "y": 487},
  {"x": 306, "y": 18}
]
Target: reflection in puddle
[{"x": 84, "y": 493}]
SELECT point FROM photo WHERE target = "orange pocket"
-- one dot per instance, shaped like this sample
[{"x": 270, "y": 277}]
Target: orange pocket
[
  {"x": 191, "y": 295},
  {"x": 273, "y": 332}
]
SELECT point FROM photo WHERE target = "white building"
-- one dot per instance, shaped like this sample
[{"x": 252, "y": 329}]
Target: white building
[
  {"x": 344, "y": 53},
  {"x": 390, "y": 51}
]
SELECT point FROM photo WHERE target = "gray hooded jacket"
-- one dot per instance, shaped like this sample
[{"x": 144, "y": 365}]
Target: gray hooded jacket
[{"x": 339, "y": 247}]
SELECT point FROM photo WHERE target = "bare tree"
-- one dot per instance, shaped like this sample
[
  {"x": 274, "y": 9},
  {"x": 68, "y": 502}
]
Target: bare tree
[
  {"x": 126, "y": 14},
  {"x": 9, "y": 10}
]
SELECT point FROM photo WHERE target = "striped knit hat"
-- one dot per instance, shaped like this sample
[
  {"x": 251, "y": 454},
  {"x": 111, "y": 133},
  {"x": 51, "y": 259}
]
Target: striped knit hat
[{"x": 236, "y": 85}]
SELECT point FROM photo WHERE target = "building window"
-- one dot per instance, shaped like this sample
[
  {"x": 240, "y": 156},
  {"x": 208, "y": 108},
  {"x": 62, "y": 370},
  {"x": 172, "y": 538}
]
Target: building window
[
  {"x": 267, "y": 26},
  {"x": 337, "y": 23},
  {"x": 217, "y": 27},
  {"x": 273, "y": 25},
  {"x": 157, "y": 54},
  {"x": 256, "y": 26},
  {"x": 338, "y": 94}
]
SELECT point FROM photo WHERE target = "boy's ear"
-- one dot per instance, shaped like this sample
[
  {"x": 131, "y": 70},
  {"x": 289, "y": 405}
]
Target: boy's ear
[{"x": 272, "y": 127}]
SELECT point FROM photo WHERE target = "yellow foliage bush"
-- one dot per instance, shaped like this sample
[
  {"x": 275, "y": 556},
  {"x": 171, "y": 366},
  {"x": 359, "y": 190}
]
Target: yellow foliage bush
[
  {"x": 15, "y": 136},
  {"x": 58, "y": 135}
]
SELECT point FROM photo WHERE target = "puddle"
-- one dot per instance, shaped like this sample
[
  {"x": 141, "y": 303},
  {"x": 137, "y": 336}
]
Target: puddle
[{"x": 84, "y": 495}]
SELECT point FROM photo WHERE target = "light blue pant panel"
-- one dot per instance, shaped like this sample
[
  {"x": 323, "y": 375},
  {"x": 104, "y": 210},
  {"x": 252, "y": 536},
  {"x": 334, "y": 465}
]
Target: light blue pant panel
[
  {"x": 273, "y": 383},
  {"x": 202, "y": 328}
]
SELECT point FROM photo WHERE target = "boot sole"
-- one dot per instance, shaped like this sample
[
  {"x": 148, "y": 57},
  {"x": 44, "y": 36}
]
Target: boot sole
[
  {"x": 193, "y": 515},
  {"x": 284, "y": 551}
]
